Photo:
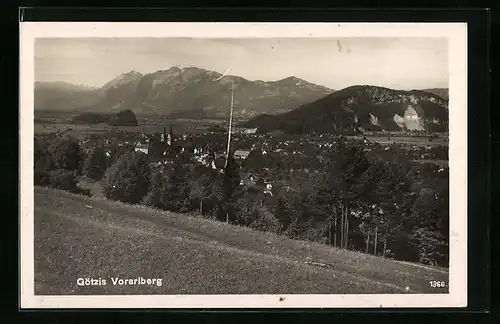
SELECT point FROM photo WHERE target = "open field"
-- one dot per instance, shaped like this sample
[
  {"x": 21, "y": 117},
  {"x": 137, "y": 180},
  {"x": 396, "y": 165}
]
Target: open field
[
  {"x": 441, "y": 140},
  {"x": 84, "y": 237},
  {"x": 50, "y": 122},
  {"x": 79, "y": 130},
  {"x": 436, "y": 162}
]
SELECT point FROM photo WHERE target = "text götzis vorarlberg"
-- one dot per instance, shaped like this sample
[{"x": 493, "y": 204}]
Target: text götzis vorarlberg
[{"x": 115, "y": 281}]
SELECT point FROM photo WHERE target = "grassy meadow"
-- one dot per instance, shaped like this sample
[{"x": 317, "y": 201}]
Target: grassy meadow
[{"x": 78, "y": 237}]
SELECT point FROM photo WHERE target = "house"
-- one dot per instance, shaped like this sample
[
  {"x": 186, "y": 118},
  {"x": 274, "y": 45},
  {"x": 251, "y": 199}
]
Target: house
[
  {"x": 144, "y": 148},
  {"x": 247, "y": 179},
  {"x": 268, "y": 189},
  {"x": 241, "y": 154},
  {"x": 204, "y": 159},
  {"x": 242, "y": 130}
]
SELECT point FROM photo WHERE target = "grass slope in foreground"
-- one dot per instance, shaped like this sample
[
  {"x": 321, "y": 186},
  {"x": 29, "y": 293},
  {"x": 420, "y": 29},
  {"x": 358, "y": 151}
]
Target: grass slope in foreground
[{"x": 78, "y": 236}]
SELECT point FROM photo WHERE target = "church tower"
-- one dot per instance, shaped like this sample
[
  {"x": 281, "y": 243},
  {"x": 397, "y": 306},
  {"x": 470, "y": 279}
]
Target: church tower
[
  {"x": 163, "y": 135},
  {"x": 170, "y": 136}
]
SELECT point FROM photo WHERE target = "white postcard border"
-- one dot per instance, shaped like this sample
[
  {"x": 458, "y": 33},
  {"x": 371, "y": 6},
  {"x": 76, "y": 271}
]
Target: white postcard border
[{"x": 456, "y": 33}]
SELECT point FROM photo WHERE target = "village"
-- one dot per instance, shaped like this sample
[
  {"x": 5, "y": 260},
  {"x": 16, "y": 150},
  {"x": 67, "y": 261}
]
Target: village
[{"x": 262, "y": 158}]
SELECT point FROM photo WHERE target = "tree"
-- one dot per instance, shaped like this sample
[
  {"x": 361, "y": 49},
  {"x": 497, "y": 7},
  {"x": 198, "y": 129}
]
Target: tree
[
  {"x": 384, "y": 190},
  {"x": 43, "y": 163},
  {"x": 283, "y": 210},
  {"x": 424, "y": 213},
  {"x": 63, "y": 180},
  {"x": 128, "y": 179},
  {"x": 433, "y": 247},
  {"x": 94, "y": 166},
  {"x": 117, "y": 152},
  {"x": 201, "y": 190},
  {"x": 230, "y": 183},
  {"x": 177, "y": 191},
  {"x": 123, "y": 118},
  {"x": 370, "y": 197},
  {"x": 338, "y": 189},
  {"x": 263, "y": 219},
  {"x": 156, "y": 196},
  {"x": 66, "y": 154},
  {"x": 430, "y": 220},
  {"x": 219, "y": 198}
]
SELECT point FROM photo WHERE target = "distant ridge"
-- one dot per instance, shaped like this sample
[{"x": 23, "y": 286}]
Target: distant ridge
[
  {"x": 181, "y": 92},
  {"x": 61, "y": 85},
  {"x": 442, "y": 92},
  {"x": 361, "y": 108}
]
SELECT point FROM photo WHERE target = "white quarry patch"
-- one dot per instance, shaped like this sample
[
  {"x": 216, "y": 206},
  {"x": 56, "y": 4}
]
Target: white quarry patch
[
  {"x": 411, "y": 113},
  {"x": 413, "y": 120},
  {"x": 374, "y": 120},
  {"x": 400, "y": 121}
]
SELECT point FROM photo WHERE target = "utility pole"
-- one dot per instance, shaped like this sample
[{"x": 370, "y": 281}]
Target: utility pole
[
  {"x": 230, "y": 126},
  {"x": 230, "y": 118},
  {"x": 228, "y": 149}
]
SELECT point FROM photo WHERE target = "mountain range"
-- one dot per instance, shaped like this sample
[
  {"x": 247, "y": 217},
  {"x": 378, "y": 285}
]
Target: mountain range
[
  {"x": 188, "y": 92},
  {"x": 361, "y": 108},
  {"x": 290, "y": 104}
]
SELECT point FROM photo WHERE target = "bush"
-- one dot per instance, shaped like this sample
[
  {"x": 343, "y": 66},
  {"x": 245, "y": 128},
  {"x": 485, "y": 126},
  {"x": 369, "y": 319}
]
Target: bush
[
  {"x": 84, "y": 192},
  {"x": 433, "y": 247},
  {"x": 117, "y": 152},
  {"x": 43, "y": 162},
  {"x": 95, "y": 164},
  {"x": 66, "y": 154},
  {"x": 90, "y": 118},
  {"x": 156, "y": 196},
  {"x": 123, "y": 118},
  {"x": 63, "y": 180},
  {"x": 43, "y": 165},
  {"x": 128, "y": 179},
  {"x": 265, "y": 221}
]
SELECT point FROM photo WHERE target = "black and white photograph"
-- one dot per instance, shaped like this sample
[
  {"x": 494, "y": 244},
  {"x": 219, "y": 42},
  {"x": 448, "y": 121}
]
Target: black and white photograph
[{"x": 243, "y": 165}]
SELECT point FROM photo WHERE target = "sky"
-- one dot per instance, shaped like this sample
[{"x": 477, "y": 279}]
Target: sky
[{"x": 397, "y": 63}]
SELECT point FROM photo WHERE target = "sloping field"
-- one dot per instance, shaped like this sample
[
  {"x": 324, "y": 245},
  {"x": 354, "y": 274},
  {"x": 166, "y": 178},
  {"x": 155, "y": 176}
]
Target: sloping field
[{"x": 83, "y": 237}]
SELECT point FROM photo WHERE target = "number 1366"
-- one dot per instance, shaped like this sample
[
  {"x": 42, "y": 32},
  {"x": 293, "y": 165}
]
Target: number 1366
[{"x": 437, "y": 284}]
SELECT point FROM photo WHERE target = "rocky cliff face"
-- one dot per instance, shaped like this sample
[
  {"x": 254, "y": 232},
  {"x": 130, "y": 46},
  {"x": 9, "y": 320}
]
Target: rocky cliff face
[{"x": 364, "y": 108}]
